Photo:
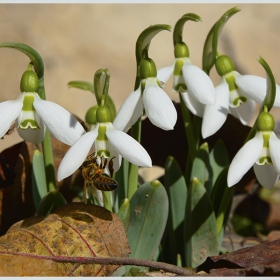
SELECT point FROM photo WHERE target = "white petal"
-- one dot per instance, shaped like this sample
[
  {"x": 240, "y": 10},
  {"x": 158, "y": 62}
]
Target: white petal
[
  {"x": 274, "y": 148},
  {"x": 33, "y": 135},
  {"x": 251, "y": 86},
  {"x": 244, "y": 112},
  {"x": 266, "y": 175},
  {"x": 159, "y": 108},
  {"x": 9, "y": 111},
  {"x": 130, "y": 111},
  {"x": 193, "y": 105},
  {"x": 76, "y": 155},
  {"x": 244, "y": 159},
  {"x": 215, "y": 115},
  {"x": 164, "y": 74},
  {"x": 199, "y": 84},
  {"x": 59, "y": 121},
  {"x": 128, "y": 148}
]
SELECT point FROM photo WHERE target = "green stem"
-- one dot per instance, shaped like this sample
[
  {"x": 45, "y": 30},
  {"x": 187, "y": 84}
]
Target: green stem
[
  {"x": 107, "y": 200},
  {"x": 133, "y": 169},
  {"x": 49, "y": 162}
]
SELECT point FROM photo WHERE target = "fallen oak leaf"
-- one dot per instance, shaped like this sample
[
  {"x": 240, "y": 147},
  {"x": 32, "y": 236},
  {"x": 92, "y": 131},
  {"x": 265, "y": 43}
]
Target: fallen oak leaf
[{"x": 75, "y": 230}]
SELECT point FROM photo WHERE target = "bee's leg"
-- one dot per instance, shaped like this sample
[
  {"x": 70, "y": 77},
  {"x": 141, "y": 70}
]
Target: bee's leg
[
  {"x": 105, "y": 163},
  {"x": 111, "y": 166}
]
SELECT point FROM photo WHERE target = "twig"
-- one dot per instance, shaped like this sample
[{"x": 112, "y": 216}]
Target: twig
[{"x": 112, "y": 261}]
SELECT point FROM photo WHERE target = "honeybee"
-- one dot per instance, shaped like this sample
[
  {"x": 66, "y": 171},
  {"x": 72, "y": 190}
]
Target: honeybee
[{"x": 95, "y": 176}]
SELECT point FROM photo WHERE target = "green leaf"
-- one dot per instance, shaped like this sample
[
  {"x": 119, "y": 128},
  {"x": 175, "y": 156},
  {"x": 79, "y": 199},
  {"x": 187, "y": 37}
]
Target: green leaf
[
  {"x": 178, "y": 29},
  {"x": 147, "y": 221},
  {"x": 270, "y": 84},
  {"x": 121, "y": 176},
  {"x": 39, "y": 183},
  {"x": 218, "y": 159},
  {"x": 50, "y": 202},
  {"x": 200, "y": 226},
  {"x": 176, "y": 188},
  {"x": 201, "y": 168},
  {"x": 81, "y": 85},
  {"x": 124, "y": 213},
  {"x": 221, "y": 199},
  {"x": 36, "y": 60},
  {"x": 211, "y": 42}
]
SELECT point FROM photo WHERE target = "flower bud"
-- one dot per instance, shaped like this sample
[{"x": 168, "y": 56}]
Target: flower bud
[
  {"x": 224, "y": 65},
  {"x": 265, "y": 122},
  {"x": 148, "y": 69},
  {"x": 181, "y": 50},
  {"x": 103, "y": 114},
  {"x": 29, "y": 82}
]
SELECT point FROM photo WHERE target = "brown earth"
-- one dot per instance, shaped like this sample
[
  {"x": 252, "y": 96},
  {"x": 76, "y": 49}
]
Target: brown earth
[{"x": 75, "y": 40}]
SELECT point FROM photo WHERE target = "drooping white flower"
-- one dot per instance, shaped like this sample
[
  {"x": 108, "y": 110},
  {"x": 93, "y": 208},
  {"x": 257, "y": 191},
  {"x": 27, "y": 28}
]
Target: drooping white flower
[
  {"x": 262, "y": 152},
  {"x": 109, "y": 143},
  {"x": 236, "y": 93},
  {"x": 194, "y": 85},
  {"x": 149, "y": 96},
  {"x": 32, "y": 115}
]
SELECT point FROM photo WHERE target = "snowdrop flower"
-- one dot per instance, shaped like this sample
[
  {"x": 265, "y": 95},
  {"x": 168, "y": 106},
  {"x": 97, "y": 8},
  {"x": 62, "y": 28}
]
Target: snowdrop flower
[
  {"x": 32, "y": 115},
  {"x": 235, "y": 93},
  {"x": 262, "y": 152},
  {"x": 193, "y": 83},
  {"x": 158, "y": 106},
  {"x": 109, "y": 143}
]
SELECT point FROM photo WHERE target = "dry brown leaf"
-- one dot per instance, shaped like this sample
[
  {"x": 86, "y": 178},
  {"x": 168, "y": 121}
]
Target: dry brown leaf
[
  {"x": 74, "y": 230},
  {"x": 262, "y": 259}
]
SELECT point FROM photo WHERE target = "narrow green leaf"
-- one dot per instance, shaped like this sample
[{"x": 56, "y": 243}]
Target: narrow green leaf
[
  {"x": 221, "y": 199},
  {"x": 218, "y": 159},
  {"x": 178, "y": 29},
  {"x": 124, "y": 213},
  {"x": 200, "y": 226},
  {"x": 211, "y": 42},
  {"x": 176, "y": 188},
  {"x": 147, "y": 221},
  {"x": 39, "y": 183},
  {"x": 270, "y": 86},
  {"x": 121, "y": 176},
  {"x": 201, "y": 168},
  {"x": 81, "y": 85}
]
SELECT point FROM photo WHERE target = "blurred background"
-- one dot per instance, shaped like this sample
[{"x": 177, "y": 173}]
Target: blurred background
[{"x": 75, "y": 40}]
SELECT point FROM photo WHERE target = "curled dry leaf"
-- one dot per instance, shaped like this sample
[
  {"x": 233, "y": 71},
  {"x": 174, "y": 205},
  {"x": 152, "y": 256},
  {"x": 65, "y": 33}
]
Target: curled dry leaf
[
  {"x": 259, "y": 260},
  {"x": 35, "y": 246}
]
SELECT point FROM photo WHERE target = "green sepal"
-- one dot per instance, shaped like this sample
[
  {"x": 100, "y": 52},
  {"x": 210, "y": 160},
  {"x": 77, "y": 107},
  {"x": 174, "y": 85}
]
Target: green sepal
[
  {"x": 201, "y": 168},
  {"x": 147, "y": 221},
  {"x": 271, "y": 86},
  {"x": 218, "y": 159},
  {"x": 143, "y": 43},
  {"x": 178, "y": 29},
  {"x": 39, "y": 185},
  {"x": 36, "y": 60},
  {"x": 176, "y": 188},
  {"x": 200, "y": 226},
  {"x": 124, "y": 213},
  {"x": 211, "y": 42},
  {"x": 50, "y": 202}
]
